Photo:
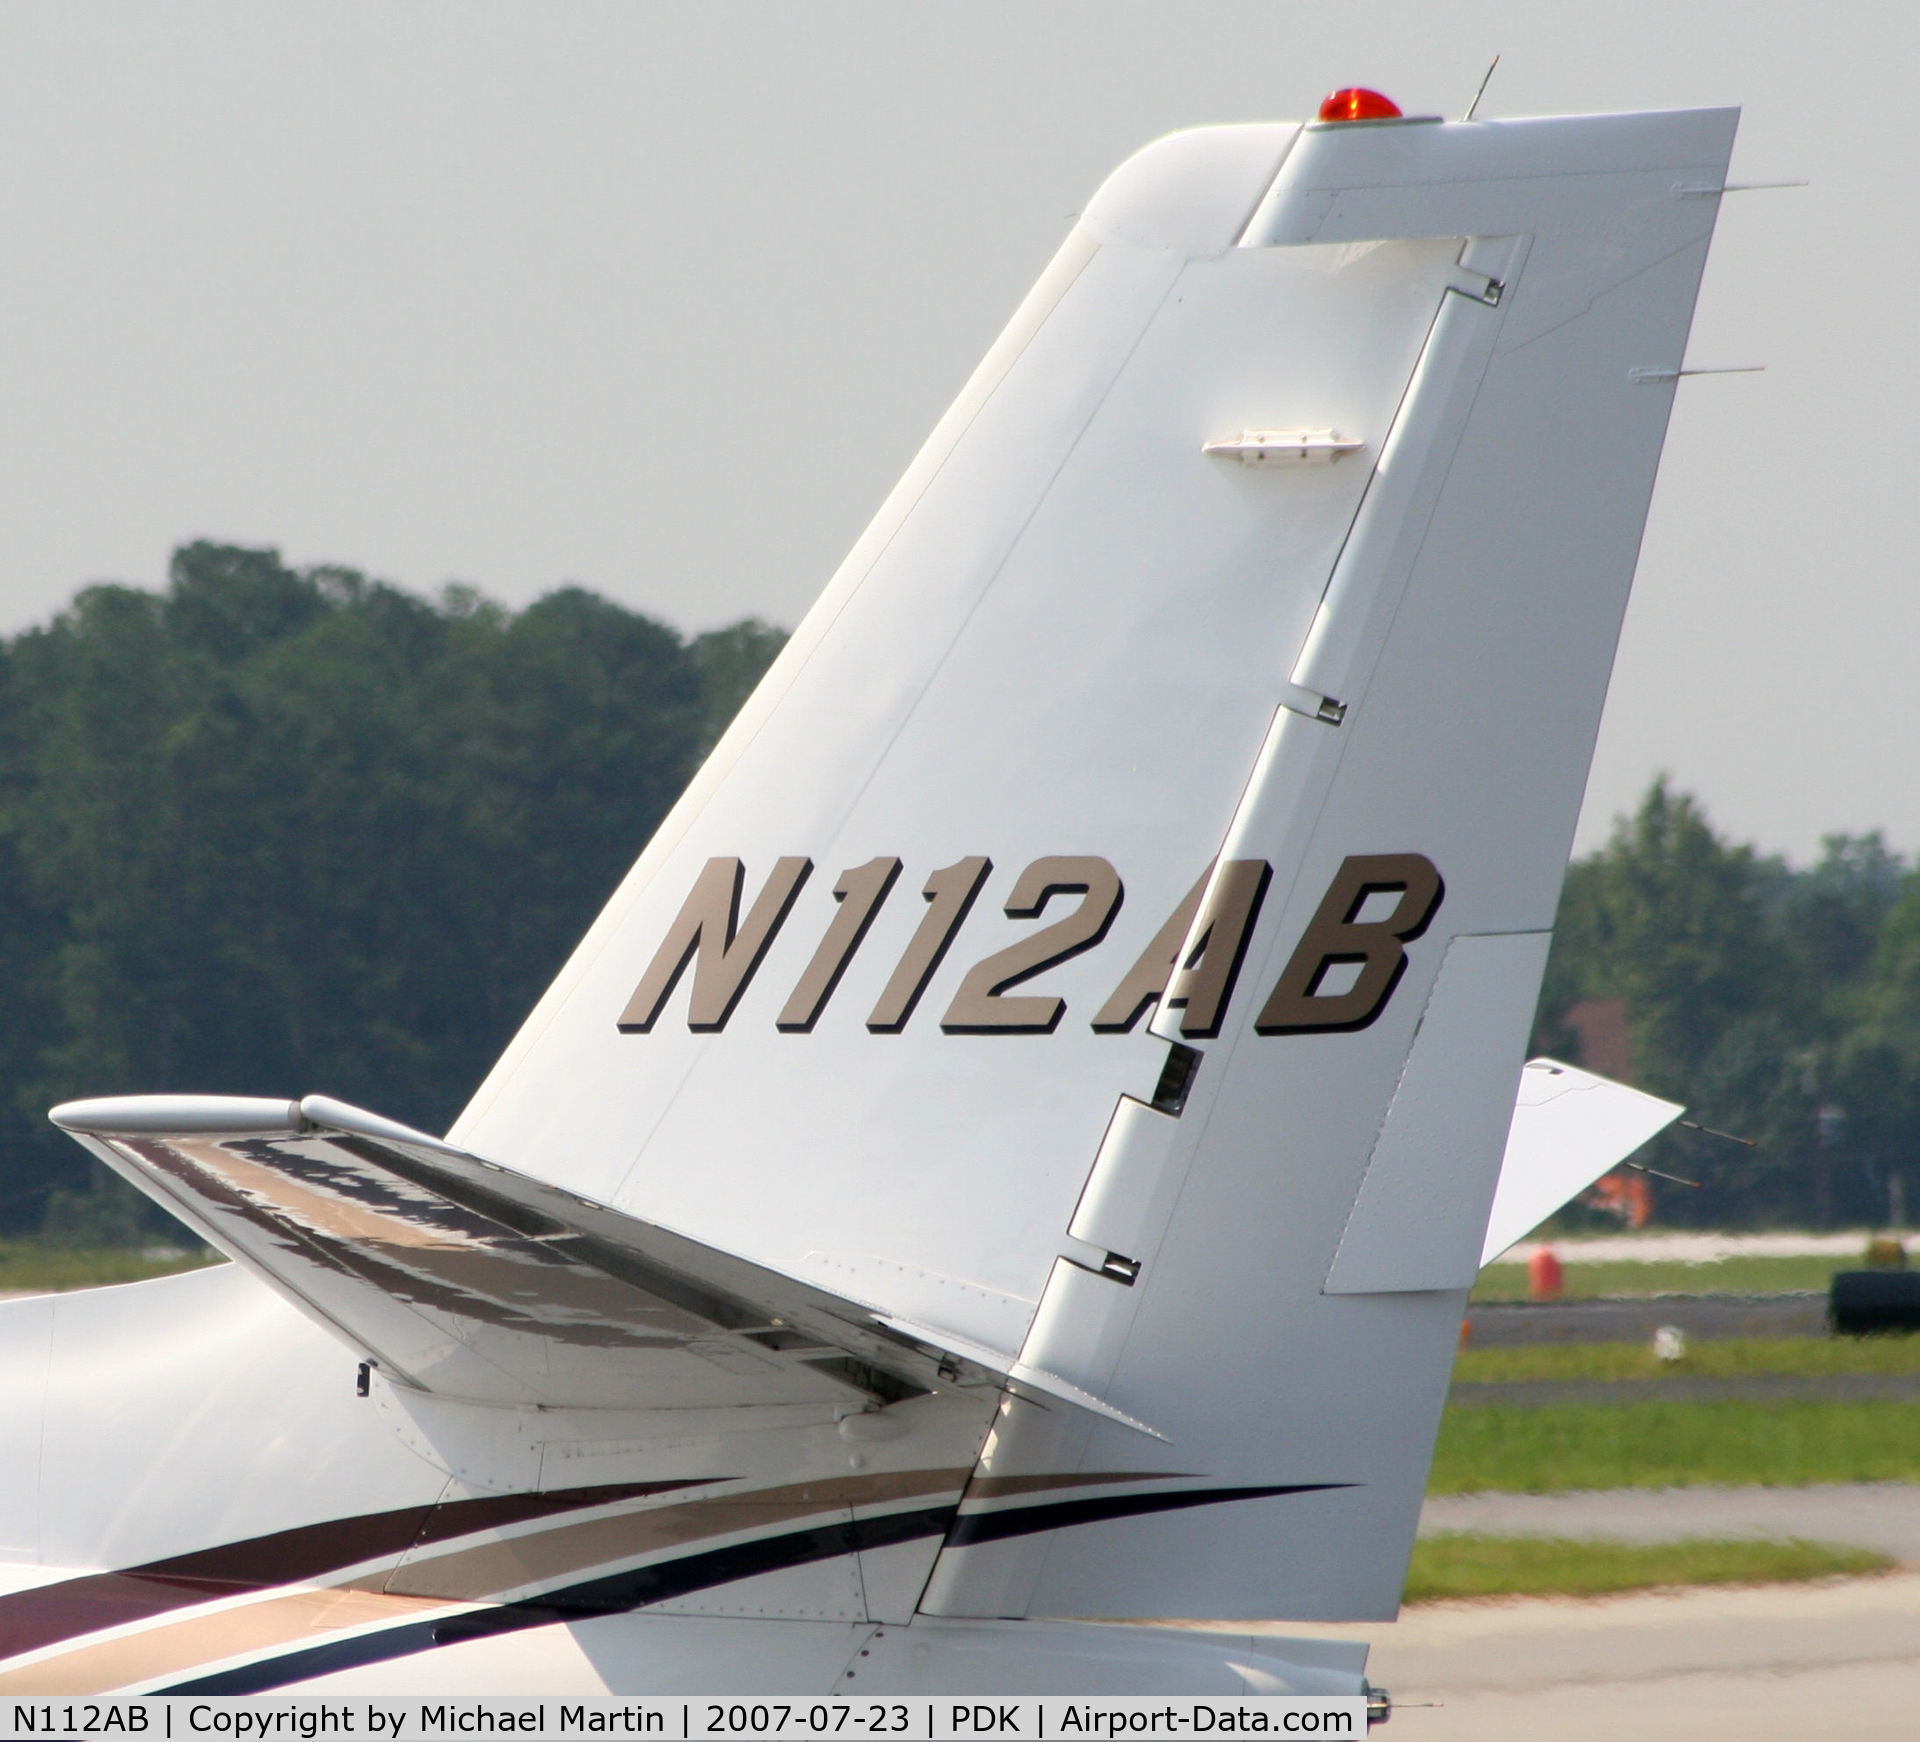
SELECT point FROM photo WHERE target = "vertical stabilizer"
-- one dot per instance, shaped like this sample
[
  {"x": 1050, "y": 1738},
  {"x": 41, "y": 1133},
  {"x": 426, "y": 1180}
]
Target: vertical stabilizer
[{"x": 1110, "y": 934}]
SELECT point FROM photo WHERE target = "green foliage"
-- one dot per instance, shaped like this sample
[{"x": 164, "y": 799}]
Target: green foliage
[
  {"x": 1461, "y": 1565},
  {"x": 278, "y": 831},
  {"x": 39, "y": 1266},
  {"x": 1780, "y": 1005},
  {"x": 1729, "y": 1358},
  {"x": 730, "y": 662},
  {"x": 1554, "y": 1448},
  {"x": 1628, "y": 1278}
]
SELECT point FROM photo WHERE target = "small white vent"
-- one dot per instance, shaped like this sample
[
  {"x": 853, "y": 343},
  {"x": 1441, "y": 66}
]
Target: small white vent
[{"x": 1285, "y": 447}]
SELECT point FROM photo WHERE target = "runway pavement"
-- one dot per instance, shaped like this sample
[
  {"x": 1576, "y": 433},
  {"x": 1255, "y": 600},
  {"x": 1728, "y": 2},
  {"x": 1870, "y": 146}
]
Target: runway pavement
[
  {"x": 1699, "y": 1248},
  {"x": 1876, "y": 1515},
  {"x": 1744, "y": 1387},
  {"x": 1510, "y": 1323},
  {"x": 1839, "y": 1658},
  {"x": 1779, "y": 1663}
]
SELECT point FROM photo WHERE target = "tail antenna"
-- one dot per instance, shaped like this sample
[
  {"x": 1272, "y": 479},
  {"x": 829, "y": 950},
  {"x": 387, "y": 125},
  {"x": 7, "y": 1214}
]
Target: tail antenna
[{"x": 1477, "y": 95}]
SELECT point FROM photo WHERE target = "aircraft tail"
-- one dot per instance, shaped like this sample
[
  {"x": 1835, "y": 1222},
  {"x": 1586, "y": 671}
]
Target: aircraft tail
[{"x": 1111, "y": 932}]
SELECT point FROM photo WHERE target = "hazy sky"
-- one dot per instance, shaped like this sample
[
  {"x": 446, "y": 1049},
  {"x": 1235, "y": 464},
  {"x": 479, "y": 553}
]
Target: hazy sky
[{"x": 661, "y": 298}]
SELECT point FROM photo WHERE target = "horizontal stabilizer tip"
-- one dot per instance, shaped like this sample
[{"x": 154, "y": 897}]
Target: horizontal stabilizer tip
[
  {"x": 176, "y": 1115},
  {"x": 1569, "y": 1127}
]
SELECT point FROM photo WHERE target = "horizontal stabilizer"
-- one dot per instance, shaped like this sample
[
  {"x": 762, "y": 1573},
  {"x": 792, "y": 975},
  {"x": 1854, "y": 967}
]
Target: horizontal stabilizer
[
  {"x": 1569, "y": 1127},
  {"x": 462, "y": 1278}
]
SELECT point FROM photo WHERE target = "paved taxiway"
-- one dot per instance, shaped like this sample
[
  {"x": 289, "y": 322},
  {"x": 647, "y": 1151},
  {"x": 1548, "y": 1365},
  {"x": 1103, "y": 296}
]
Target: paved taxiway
[
  {"x": 1754, "y": 1664},
  {"x": 1751, "y": 1664},
  {"x": 1876, "y": 1515}
]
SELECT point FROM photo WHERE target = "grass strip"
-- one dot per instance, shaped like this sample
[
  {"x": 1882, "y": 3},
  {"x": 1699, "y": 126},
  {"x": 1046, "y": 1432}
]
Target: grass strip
[
  {"x": 1631, "y": 1278},
  {"x": 1462, "y": 1565},
  {"x": 1557, "y": 1448},
  {"x": 26, "y": 1264},
  {"x": 1728, "y": 1358}
]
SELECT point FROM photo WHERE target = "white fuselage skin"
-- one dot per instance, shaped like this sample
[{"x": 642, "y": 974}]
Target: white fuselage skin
[{"x": 195, "y": 1411}]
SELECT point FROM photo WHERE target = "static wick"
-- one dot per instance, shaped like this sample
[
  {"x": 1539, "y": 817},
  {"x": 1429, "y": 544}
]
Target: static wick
[
  {"x": 1477, "y": 95},
  {"x": 1708, "y": 1130},
  {"x": 1641, "y": 1167}
]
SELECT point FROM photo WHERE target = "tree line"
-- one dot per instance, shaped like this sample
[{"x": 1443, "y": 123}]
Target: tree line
[
  {"x": 276, "y": 830},
  {"x": 1782, "y": 1005}
]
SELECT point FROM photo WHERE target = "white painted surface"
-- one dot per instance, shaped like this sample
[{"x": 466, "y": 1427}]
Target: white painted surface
[
  {"x": 674, "y": 1655},
  {"x": 1569, "y": 1127},
  {"x": 195, "y": 1410},
  {"x": 1129, "y": 1191},
  {"x": 1191, "y": 193},
  {"x": 26, "y": 1348},
  {"x": 1419, "y": 1216},
  {"x": 620, "y": 1655}
]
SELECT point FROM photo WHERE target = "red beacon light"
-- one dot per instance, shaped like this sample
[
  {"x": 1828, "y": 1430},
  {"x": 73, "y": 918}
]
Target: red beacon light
[{"x": 1357, "y": 103}]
